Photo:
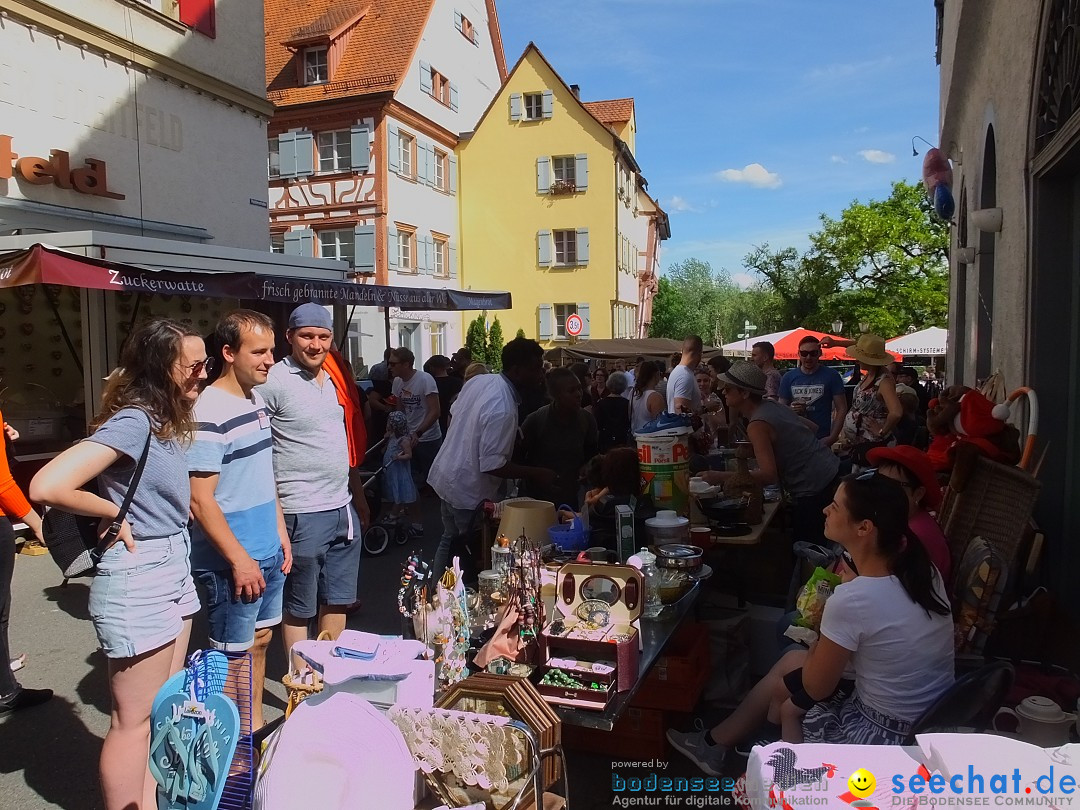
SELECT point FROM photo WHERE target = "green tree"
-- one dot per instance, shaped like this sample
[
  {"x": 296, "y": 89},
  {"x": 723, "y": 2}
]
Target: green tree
[
  {"x": 692, "y": 298},
  {"x": 476, "y": 339},
  {"x": 495, "y": 345}
]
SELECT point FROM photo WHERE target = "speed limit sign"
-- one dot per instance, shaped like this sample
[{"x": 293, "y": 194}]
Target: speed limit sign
[{"x": 574, "y": 325}]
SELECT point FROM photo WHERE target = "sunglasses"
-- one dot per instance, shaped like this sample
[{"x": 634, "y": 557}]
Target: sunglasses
[
  {"x": 815, "y": 353},
  {"x": 196, "y": 368}
]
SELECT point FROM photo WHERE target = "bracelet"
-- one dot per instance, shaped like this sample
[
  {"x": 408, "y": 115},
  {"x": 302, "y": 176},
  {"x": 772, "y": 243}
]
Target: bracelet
[{"x": 413, "y": 577}]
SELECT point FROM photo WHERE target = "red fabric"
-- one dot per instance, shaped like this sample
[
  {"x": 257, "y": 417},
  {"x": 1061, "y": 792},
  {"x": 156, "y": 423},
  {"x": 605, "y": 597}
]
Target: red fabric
[
  {"x": 943, "y": 447},
  {"x": 976, "y": 418},
  {"x": 349, "y": 397},
  {"x": 13, "y": 503},
  {"x": 199, "y": 14},
  {"x": 787, "y": 348},
  {"x": 915, "y": 461}
]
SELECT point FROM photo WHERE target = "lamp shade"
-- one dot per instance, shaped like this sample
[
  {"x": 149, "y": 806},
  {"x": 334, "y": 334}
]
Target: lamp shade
[{"x": 987, "y": 220}]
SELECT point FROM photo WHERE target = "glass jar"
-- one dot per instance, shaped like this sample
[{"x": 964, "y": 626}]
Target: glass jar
[{"x": 651, "y": 575}]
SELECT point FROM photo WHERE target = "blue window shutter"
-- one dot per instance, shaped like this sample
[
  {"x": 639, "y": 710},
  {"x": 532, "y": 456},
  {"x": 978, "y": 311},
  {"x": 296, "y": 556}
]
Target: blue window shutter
[
  {"x": 582, "y": 245},
  {"x": 581, "y": 172},
  {"x": 548, "y": 104},
  {"x": 287, "y": 154},
  {"x": 453, "y": 97},
  {"x": 543, "y": 175},
  {"x": 359, "y": 141},
  {"x": 451, "y": 251},
  {"x": 392, "y": 147},
  {"x": 457, "y": 20},
  {"x": 293, "y": 243},
  {"x": 425, "y": 77},
  {"x": 543, "y": 248},
  {"x": 305, "y": 154},
  {"x": 515, "y": 106},
  {"x": 583, "y": 313},
  {"x": 547, "y": 322},
  {"x": 422, "y": 174},
  {"x": 452, "y": 168},
  {"x": 391, "y": 246}
]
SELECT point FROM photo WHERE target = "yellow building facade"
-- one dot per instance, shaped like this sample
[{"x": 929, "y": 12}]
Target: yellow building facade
[{"x": 550, "y": 206}]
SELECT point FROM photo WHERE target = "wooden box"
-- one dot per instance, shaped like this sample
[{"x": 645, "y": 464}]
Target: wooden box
[
  {"x": 675, "y": 682},
  {"x": 585, "y": 592},
  {"x": 588, "y": 672}
]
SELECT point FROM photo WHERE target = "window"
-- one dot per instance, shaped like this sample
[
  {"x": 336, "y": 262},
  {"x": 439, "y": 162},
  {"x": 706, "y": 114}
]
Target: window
[
  {"x": 565, "y": 170},
  {"x": 335, "y": 151},
  {"x": 277, "y": 243},
  {"x": 406, "y": 250},
  {"x": 562, "y": 312},
  {"x": 316, "y": 68},
  {"x": 406, "y": 145},
  {"x": 273, "y": 160},
  {"x": 338, "y": 244},
  {"x": 465, "y": 26},
  {"x": 440, "y": 263},
  {"x": 534, "y": 106},
  {"x": 441, "y": 174},
  {"x": 438, "y": 338},
  {"x": 440, "y": 87},
  {"x": 565, "y": 247}
]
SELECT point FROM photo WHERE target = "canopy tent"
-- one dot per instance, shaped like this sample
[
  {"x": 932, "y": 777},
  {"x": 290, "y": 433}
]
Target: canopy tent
[
  {"x": 930, "y": 342},
  {"x": 623, "y": 348},
  {"x": 42, "y": 264},
  {"x": 786, "y": 345}
]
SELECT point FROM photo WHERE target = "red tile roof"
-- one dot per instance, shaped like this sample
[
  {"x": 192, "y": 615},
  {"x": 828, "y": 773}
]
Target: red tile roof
[
  {"x": 377, "y": 56},
  {"x": 612, "y": 111}
]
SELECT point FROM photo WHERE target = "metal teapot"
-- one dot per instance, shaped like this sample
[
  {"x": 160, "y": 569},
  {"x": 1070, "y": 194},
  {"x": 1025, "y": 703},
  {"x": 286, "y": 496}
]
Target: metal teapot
[{"x": 1040, "y": 721}]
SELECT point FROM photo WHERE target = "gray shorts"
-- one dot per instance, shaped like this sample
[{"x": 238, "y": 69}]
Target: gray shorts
[
  {"x": 326, "y": 560},
  {"x": 139, "y": 601}
]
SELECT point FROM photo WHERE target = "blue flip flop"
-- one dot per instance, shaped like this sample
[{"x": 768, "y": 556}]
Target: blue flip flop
[
  {"x": 212, "y": 752},
  {"x": 170, "y": 756}
]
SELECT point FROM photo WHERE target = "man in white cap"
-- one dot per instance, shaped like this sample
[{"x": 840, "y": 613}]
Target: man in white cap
[{"x": 312, "y": 418}]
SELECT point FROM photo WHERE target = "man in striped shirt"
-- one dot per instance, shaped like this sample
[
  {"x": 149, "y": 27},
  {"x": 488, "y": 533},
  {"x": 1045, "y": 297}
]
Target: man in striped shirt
[{"x": 240, "y": 551}]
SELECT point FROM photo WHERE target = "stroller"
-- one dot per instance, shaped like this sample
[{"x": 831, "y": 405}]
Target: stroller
[{"x": 377, "y": 536}]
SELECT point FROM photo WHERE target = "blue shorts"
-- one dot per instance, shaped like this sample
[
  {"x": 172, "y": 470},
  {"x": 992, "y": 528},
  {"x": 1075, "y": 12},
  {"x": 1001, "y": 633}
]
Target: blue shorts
[
  {"x": 139, "y": 601},
  {"x": 326, "y": 560},
  {"x": 232, "y": 622}
]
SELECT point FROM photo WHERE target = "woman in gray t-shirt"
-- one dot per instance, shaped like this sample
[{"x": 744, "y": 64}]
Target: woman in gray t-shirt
[
  {"x": 787, "y": 450},
  {"x": 143, "y": 597}
]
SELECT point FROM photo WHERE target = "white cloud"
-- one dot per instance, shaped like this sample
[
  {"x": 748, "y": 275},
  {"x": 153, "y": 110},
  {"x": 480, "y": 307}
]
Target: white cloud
[
  {"x": 678, "y": 205},
  {"x": 877, "y": 156},
  {"x": 838, "y": 159},
  {"x": 754, "y": 174},
  {"x": 744, "y": 280}
]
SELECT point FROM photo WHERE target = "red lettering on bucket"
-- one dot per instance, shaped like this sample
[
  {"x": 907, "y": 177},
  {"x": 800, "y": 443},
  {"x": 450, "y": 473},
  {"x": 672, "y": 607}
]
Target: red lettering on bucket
[
  {"x": 680, "y": 452},
  {"x": 644, "y": 452}
]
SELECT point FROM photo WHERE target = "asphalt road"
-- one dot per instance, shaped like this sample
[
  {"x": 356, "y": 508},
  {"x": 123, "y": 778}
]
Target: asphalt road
[{"x": 48, "y": 754}]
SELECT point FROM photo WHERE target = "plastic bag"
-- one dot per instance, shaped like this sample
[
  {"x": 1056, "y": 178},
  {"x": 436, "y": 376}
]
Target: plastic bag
[{"x": 811, "y": 602}]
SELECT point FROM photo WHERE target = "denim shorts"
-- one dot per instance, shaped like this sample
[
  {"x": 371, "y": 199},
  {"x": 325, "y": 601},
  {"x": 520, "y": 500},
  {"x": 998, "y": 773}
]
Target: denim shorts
[
  {"x": 232, "y": 622},
  {"x": 139, "y": 601},
  {"x": 326, "y": 560}
]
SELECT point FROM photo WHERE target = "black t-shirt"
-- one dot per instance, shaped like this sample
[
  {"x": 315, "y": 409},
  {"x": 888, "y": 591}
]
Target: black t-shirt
[
  {"x": 612, "y": 416},
  {"x": 449, "y": 387}
]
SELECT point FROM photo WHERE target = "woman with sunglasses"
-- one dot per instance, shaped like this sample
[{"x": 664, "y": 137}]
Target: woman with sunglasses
[
  {"x": 891, "y": 624},
  {"x": 143, "y": 598}
]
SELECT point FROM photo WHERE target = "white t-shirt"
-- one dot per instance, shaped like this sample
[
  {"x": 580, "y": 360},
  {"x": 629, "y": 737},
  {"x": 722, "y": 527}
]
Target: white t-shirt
[
  {"x": 681, "y": 383},
  {"x": 630, "y": 381},
  {"x": 903, "y": 656},
  {"x": 412, "y": 396}
]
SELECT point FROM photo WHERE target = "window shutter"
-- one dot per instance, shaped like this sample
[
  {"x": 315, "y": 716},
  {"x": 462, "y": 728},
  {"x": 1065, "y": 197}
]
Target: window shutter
[
  {"x": 392, "y": 147},
  {"x": 425, "y": 77},
  {"x": 365, "y": 248},
  {"x": 548, "y": 103},
  {"x": 543, "y": 245},
  {"x": 582, "y": 245},
  {"x": 423, "y": 255},
  {"x": 199, "y": 14},
  {"x": 423, "y": 162},
  {"x": 583, "y": 313},
  {"x": 305, "y": 154},
  {"x": 515, "y": 106},
  {"x": 287, "y": 154},
  {"x": 452, "y": 168},
  {"x": 457, "y": 20},
  {"x": 581, "y": 172},
  {"x": 391, "y": 246},
  {"x": 293, "y": 243},
  {"x": 543, "y": 175},
  {"x": 453, "y": 97},
  {"x": 359, "y": 147},
  {"x": 451, "y": 251},
  {"x": 547, "y": 322}
]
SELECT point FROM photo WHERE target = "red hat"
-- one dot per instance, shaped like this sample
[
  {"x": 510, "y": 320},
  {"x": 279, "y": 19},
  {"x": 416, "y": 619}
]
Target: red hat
[
  {"x": 917, "y": 463},
  {"x": 979, "y": 417}
]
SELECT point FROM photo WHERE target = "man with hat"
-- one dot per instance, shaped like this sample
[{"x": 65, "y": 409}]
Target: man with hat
[
  {"x": 317, "y": 425},
  {"x": 786, "y": 448},
  {"x": 914, "y": 472}
]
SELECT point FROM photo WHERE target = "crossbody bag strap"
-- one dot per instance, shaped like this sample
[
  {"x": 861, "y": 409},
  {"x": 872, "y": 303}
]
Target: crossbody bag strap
[{"x": 114, "y": 528}]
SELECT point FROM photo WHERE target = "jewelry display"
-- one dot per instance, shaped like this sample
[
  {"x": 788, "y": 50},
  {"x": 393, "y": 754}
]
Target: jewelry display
[{"x": 412, "y": 593}]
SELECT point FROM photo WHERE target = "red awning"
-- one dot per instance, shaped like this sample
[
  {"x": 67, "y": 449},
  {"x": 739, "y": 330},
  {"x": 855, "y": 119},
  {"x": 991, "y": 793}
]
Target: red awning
[{"x": 788, "y": 347}]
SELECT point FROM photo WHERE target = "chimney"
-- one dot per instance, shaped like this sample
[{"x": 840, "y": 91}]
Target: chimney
[{"x": 576, "y": 90}]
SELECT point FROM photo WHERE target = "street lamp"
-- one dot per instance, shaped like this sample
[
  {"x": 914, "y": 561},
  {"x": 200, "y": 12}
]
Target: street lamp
[
  {"x": 837, "y": 327},
  {"x": 747, "y": 333},
  {"x": 864, "y": 327}
]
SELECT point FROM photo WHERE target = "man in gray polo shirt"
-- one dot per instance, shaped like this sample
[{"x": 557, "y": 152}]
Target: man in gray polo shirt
[{"x": 311, "y": 466}]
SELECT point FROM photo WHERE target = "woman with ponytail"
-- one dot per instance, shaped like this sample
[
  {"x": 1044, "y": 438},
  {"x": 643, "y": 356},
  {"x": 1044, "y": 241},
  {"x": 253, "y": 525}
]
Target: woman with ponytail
[{"x": 891, "y": 624}]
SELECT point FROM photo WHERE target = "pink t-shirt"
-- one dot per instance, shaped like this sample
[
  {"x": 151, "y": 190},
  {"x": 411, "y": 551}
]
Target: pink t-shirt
[{"x": 926, "y": 528}]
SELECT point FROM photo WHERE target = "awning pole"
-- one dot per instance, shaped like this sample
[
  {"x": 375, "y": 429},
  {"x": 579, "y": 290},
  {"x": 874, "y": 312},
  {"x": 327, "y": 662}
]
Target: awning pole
[{"x": 386, "y": 324}]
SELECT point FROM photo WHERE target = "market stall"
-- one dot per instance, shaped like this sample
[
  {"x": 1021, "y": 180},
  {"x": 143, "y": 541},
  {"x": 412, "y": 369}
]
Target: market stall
[{"x": 622, "y": 349}]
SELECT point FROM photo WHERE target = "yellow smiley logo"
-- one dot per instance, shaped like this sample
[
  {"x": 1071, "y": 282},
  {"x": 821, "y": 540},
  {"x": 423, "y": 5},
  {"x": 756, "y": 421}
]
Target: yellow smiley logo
[{"x": 862, "y": 783}]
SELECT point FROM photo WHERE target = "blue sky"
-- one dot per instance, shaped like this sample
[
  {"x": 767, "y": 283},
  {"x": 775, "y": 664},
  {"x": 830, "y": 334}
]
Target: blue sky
[{"x": 754, "y": 116}]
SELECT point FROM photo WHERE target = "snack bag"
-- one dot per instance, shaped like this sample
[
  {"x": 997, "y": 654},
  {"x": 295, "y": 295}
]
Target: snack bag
[{"x": 811, "y": 602}]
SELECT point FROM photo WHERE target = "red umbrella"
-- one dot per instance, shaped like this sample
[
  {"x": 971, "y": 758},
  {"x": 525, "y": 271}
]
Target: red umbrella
[{"x": 788, "y": 347}]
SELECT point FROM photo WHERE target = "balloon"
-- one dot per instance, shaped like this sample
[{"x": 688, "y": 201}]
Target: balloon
[
  {"x": 936, "y": 170},
  {"x": 944, "y": 205}
]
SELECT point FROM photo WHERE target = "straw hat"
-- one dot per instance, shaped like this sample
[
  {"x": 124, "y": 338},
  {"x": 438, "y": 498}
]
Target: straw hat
[
  {"x": 745, "y": 375},
  {"x": 870, "y": 350}
]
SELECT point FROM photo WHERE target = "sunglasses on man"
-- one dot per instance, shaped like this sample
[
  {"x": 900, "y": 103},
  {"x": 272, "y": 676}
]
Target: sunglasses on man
[{"x": 814, "y": 353}]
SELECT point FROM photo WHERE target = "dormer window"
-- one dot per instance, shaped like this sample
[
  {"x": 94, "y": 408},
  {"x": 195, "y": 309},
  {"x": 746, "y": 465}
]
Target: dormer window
[{"x": 316, "y": 66}]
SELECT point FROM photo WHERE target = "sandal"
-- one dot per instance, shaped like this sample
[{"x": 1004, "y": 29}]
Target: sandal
[{"x": 18, "y": 662}]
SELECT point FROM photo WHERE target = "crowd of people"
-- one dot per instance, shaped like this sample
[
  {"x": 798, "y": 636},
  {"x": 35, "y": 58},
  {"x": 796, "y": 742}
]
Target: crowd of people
[{"x": 252, "y": 502}]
